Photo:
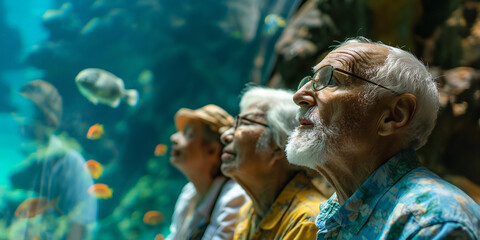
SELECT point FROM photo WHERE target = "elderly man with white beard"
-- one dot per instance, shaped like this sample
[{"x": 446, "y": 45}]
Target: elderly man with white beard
[{"x": 363, "y": 114}]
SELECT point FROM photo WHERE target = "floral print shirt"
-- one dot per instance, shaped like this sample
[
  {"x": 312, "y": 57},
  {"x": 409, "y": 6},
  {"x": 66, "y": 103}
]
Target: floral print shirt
[
  {"x": 291, "y": 216},
  {"x": 401, "y": 200}
]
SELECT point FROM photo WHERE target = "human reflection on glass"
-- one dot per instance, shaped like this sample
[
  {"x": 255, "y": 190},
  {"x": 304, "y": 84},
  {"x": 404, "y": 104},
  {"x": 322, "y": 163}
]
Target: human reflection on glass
[
  {"x": 52, "y": 199},
  {"x": 55, "y": 199}
]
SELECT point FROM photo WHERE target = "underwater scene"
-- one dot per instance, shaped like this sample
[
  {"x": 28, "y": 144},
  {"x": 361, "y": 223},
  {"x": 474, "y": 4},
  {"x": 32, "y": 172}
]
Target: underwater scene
[{"x": 82, "y": 160}]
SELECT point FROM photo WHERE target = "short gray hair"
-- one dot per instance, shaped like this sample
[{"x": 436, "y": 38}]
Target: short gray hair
[
  {"x": 280, "y": 110},
  {"x": 404, "y": 73}
]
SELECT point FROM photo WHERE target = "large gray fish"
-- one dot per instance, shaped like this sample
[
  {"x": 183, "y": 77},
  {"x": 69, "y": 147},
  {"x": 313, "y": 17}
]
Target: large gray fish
[{"x": 100, "y": 86}]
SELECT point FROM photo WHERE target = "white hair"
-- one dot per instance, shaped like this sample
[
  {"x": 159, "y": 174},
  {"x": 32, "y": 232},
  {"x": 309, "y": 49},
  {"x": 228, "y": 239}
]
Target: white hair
[
  {"x": 404, "y": 73},
  {"x": 280, "y": 110}
]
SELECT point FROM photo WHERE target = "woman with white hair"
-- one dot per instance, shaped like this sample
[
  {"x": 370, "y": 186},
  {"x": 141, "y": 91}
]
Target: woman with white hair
[{"x": 284, "y": 203}]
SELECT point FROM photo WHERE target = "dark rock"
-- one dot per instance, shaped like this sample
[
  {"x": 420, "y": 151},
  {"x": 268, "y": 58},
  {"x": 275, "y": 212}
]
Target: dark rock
[{"x": 311, "y": 32}]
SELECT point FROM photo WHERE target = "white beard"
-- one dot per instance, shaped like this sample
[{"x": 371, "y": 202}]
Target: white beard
[{"x": 312, "y": 147}]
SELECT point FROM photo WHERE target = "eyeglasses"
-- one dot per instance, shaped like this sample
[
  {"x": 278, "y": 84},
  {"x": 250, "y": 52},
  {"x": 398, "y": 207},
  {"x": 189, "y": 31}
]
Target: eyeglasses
[
  {"x": 238, "y": 122},
  {"x": 324, "y": 77}
]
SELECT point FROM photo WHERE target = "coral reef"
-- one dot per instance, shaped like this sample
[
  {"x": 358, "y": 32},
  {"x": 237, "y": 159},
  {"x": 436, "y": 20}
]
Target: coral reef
[{"x": 176, "y": 54}]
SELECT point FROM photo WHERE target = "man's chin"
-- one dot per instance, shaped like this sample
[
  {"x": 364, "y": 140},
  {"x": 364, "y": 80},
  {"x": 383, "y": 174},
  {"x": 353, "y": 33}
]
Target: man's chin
[
  {"x": 227, "y": 169},
  {"x": 174, "y": 160},
  {"x": 296, "y": 157},
  {"x": 298, "y": 135},
  {"x": 304, "y": 148}
]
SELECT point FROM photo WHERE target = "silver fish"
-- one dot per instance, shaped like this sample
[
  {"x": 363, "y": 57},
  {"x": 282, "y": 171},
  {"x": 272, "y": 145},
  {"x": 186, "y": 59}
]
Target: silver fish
[{"x": 100, "y": 86}]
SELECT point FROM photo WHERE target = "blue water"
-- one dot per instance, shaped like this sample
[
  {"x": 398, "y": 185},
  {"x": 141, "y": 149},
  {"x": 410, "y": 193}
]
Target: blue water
[
  {"x": 26, "y": 16},
  {"x": 26, "y": 20},
  {"x": 11, "y": 139},
  {"x": 10, "y": 142}
]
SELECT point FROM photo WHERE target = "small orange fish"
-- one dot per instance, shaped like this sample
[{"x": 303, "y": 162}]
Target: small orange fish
[
  {"x": 100, "y": 190},
  {"x": 160, "y": 150},
  {"x": 152, "y": 217},
  {"x": 35, "y": 206},
  {"x": 94, "y": 168},
  {"x": 96, "y": 131},
  {"x": 159, "y": 237}
]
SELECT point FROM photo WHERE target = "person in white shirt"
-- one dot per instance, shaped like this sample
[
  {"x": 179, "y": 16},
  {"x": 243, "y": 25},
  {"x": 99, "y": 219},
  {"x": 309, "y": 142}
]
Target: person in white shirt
[{"x": 208, "y": 205}]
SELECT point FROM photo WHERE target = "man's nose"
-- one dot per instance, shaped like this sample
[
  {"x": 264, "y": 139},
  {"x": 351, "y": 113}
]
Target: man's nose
[
  {"x": 304, "y": 97},
  {"x": 227, "y": 136},
  {"x": 174, "y": 137}
]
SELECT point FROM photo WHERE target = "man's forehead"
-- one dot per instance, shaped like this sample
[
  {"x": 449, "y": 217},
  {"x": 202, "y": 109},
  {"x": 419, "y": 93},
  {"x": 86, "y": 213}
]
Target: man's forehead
[
  {"x": 254, "y": 110},
  {"x": 349, "y": 55}
]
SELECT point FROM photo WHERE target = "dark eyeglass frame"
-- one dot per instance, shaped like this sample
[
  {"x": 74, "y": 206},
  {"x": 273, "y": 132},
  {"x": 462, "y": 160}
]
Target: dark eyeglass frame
[
  {"x": 318, "y": 83},
  {"x": 238, "y": 118}
]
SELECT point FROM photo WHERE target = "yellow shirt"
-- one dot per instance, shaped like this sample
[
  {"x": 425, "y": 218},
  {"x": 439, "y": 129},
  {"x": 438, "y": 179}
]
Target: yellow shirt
[{"x": 291, "y": 216}]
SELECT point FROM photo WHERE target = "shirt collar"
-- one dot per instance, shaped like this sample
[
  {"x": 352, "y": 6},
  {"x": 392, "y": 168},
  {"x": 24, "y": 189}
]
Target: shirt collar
[
  {"x": 205, "y": 207},
  {"x": 325, "y": 222},
  {"x": 357, "y": 209},
  {"x": 283, "y": 201}
]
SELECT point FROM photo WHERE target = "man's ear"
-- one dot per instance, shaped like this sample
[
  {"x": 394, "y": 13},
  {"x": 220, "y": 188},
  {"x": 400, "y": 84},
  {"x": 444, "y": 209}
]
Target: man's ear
[
  {"x": 398, "y": 114},
  {"x": 277, "y": 154}
]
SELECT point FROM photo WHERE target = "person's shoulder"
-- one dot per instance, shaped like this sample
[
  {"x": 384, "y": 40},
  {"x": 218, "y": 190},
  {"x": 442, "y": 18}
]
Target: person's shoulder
[
  {"x": 309, "y": 194},
  {"x": 188, "y": 188},
  {"x": 423, "y": 186},
  {"x": 187, "y": 193},
  {"x": 232, "y": 194},
  {"x": 431, "y": 199},
  {"x": 422, "y": 201},
  {"x": 305, "y": 212},
  {"x": 232, "y": 186},
  {"x": 306, "y": 204}
]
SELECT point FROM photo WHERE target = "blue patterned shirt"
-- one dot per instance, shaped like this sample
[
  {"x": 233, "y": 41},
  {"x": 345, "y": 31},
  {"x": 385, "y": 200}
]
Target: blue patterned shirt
[{"x": 401, "y": 200}]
